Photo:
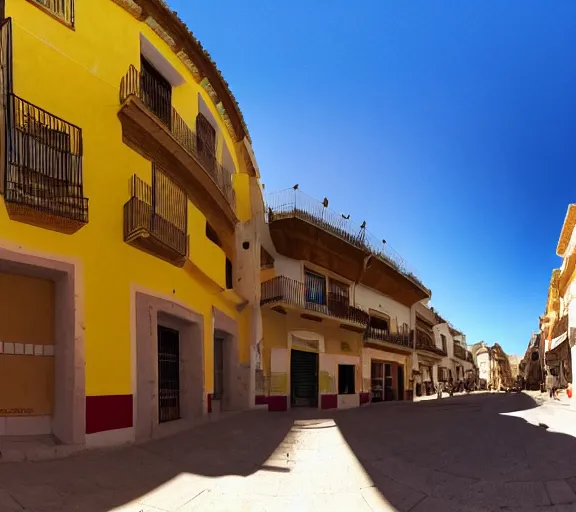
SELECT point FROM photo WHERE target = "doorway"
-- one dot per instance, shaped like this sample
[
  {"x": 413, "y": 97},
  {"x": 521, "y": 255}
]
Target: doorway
[
  {"x": 218, "y": 368},
  {"x": 377, "y": 381},
  {"x": 388, "y": 383},
  {"x": 400, "y": 382},
  {"x": 303, "y": 379},
  {"x": 168, "y": 374}
]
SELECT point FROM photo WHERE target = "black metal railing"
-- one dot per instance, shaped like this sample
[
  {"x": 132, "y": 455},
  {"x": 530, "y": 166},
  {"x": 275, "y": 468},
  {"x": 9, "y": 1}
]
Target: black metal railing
[
  {"x": 153, "y": 95},
  {"x": 373, "y": 333},
  {"x": 282, "y": 289},
  {"x": 62, "y": 9},
  {"x": 44, "y": 165},
  {"x": 159, "y": 210},
  {"x": 425, "y": 341},
  {"x": 294, "y": 203},
  {"x": 459, "y": 351},
  {"x": 168, "y": 374}
]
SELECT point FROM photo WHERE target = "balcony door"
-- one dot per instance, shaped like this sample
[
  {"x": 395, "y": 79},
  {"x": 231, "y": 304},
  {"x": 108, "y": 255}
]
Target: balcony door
[
  {"x": 206, "y": 143},
  {"x": 156, "y": 91},
  {"x": 315, "y": 289},
  {"x": 338, "y": 298}
]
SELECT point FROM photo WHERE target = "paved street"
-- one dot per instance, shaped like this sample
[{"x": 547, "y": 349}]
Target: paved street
[{"x": 476, "y": 453}]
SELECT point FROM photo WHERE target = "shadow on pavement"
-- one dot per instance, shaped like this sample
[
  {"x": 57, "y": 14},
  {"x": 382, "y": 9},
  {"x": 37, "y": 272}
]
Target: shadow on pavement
[
  {"x": 99, "y": 481},
  {"x": 461, "y": 453}
]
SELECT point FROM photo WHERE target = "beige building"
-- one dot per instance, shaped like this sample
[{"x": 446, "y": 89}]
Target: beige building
[{"x": 336, "y": 311}]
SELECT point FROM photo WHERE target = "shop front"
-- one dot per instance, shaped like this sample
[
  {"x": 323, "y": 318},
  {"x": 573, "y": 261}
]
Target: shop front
[
  {"x": 309, "y": 364},
  {"x": 385, "y": 375}
]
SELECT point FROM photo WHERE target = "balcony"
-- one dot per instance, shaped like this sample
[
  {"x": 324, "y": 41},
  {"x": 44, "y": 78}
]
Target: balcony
[
  {"x": 459, "y": 351},
  {"x": 156, "y": 219},
  {"x": 425, "y": 342},
  {"x": 302, "y": 228},
  {"x": 383, "y": 337},
  {"x": 469, "y": 357},
  {"x": 153, "y": 127},
  {"x": 43, "y": 182},
  {"x": 282, "y": 292}
]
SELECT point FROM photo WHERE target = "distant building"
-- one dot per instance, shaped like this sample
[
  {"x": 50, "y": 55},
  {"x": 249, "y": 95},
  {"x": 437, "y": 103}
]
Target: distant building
[
  {"x": 514, "y": 362},
  {"x": 494, "y": 369}
]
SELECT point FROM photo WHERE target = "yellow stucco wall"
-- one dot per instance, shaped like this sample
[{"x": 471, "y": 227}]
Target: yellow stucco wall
[
  {"x": 276, "y": 326},
  {"x": 75, "y": 75}
]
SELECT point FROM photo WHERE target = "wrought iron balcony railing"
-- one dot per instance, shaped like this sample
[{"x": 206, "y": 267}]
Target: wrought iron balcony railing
[
  {"x": 384, "y": 335},
  {"x": 145, "y": 87},
  {"x": 459, "y": 351},
  {"x": 425, "y": 341},
  {"x": 61, "y": 9},
  {"x": 283, "y": 290},
  {"x": 294, "y": 203},
  {"x": 44, "y": 164},
  {"x": 156, "y": 219}
]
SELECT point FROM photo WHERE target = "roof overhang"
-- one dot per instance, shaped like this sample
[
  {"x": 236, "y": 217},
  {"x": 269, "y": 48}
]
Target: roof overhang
[{"x": 566, "y": 232}]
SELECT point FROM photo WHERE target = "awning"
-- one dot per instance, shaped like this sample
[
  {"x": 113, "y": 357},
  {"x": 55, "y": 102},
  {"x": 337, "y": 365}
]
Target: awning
[{"x": 557, "y": 341}]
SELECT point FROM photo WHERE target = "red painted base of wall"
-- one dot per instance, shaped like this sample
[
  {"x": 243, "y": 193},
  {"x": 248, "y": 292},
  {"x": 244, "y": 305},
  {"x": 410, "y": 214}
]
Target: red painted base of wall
[
  {"x": 328, "y": 401},
  {"x": 108, "y": 412},
  {"x": 260, "y": 400},
  {"x": 364, "y": 398},
  {"x": 277, "y": 403}
]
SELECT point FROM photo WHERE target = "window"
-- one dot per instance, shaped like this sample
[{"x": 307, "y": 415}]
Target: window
[
  {"x": 169, "y": 201},
  {"x": 315, "y": 287},
  {"x": 346, "y": 379},
  {"x": 266, "y": 260},
  {"x": 338, "y": 297},
  {"x": 443, "y": 337},
  {"x": 379, "y": 322},
  {"x": 205, "y": 141},
  {"x": 62, "y": 9},
  {"x": 43, "y": 149},
  {"x": 212, "y": 235},
  {"x": 339, "y": 290},
  {"x": 442, "y": 374},
  {"x": 229, "y": 282}
]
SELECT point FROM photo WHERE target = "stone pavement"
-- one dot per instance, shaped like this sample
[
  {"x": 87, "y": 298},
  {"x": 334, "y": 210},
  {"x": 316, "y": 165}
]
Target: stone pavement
[{"x": 480, "y": 452}]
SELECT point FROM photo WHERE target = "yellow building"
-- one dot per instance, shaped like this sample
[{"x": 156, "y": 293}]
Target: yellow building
[
  {"x": 560, "y": 317},
  {"x": 336, "y": 310},
  {"x": 129, "y": 258}
]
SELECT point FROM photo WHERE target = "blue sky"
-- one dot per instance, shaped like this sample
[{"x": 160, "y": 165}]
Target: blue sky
[{"x": 447, "y": 125}]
